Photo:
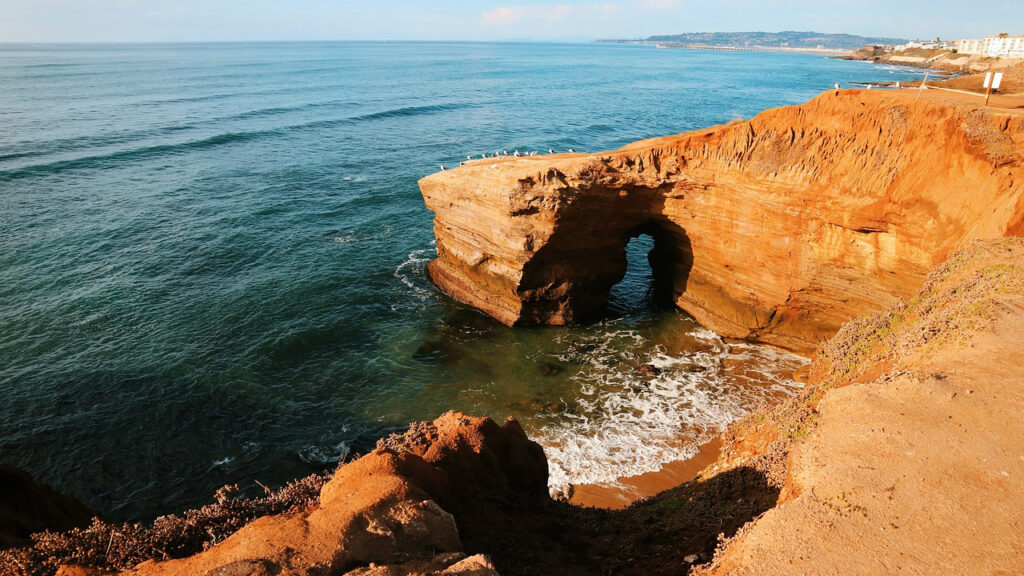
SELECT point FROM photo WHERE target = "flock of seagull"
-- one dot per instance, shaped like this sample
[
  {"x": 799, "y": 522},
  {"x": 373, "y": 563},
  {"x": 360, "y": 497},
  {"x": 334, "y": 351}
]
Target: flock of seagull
[{"x": 505, "y": 154}]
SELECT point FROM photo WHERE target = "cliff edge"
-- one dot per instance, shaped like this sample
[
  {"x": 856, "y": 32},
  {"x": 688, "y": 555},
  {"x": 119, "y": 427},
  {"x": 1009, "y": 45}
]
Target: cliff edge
[
  {"x": 777, "y": 229},
  {"x": 905, "y": 452}
]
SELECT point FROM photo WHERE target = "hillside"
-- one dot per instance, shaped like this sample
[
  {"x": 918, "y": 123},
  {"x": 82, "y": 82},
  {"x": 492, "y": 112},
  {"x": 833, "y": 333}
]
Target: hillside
[{"x": 785, "y": 39}]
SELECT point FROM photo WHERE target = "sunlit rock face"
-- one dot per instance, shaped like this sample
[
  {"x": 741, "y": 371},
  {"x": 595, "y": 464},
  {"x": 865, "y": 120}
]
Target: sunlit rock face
[{"x": 777, "y": 229}]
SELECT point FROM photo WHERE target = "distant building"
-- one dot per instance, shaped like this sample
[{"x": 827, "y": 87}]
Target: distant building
[
  {"x": 1000, "y": 46},
  {"x": 931, "y": 45}
]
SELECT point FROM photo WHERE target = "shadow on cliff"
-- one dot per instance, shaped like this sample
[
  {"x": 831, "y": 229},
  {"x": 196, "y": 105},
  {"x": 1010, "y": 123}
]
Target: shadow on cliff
[{"x": 652, "y": 537}]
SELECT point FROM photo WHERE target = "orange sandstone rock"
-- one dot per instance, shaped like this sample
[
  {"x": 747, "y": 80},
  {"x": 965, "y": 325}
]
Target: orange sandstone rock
[
  {"x": 777, "y": 229},
  {"x": 380, "y": 514}
]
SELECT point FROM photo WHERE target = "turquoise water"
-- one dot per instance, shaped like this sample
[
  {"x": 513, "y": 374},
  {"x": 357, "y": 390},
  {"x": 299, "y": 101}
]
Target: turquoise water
[{"x": 212, "y": 258}]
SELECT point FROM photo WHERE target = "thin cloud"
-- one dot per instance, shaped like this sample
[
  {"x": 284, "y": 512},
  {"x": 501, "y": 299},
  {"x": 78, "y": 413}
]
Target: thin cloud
[
  {"x": 503, "y": 16},
  {"x": 510, "y": 15}
]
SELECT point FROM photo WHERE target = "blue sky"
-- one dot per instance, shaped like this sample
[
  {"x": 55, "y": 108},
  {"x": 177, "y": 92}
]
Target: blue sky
[{"x": 232, "y": 20}]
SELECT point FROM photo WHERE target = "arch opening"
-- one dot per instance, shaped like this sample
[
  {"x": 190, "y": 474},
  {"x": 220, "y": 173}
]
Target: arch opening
[{"x": 650, "y": 271}]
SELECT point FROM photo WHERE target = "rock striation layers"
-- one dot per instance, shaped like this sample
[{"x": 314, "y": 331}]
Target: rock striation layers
[{"x": 777, "y": 229}]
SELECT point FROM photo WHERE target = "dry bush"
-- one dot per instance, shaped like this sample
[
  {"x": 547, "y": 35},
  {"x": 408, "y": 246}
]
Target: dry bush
[{"x": 119, "y": 546}]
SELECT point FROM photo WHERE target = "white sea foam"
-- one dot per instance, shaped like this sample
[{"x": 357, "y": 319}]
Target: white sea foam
[
  {"x": 351, "y": 237},
  {"x": 626, "y": 423},
  {"x": 324, "y": 454},
  {"x": 412, "y": 271}
]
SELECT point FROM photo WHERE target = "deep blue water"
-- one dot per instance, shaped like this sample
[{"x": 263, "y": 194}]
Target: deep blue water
[{"x": 212, "y": 258}]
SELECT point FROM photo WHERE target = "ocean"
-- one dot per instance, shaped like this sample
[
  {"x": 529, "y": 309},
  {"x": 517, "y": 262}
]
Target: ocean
[{"x": 213, "y": 259}]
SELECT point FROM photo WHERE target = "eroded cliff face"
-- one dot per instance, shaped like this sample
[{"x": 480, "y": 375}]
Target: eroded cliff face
[{"x": 777, "y": 229}]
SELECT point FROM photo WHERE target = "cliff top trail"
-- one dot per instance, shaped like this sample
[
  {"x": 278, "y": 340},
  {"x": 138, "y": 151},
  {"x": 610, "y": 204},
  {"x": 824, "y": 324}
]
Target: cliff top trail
[
  {"x": 777, "y": 229},
  {"x": 914, "y": 462}
]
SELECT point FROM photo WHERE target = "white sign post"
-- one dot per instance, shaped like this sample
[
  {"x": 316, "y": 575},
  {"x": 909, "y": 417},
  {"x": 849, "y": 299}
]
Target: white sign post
[{"x": 996, "y": 81}]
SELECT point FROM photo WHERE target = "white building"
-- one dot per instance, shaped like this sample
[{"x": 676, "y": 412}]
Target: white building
[
  {"x": 930, "y": 45},
  {"x": 1001, "y": 46}
]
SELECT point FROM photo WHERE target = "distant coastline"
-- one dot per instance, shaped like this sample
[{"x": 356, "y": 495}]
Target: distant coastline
[
  {"x": 773, "y": 49},
  {"x": 785, "y": 41}
]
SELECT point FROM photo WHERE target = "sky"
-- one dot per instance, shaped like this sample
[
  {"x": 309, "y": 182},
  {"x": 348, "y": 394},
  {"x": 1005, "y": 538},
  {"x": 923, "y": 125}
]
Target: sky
[{"x": 249, "y": 20}]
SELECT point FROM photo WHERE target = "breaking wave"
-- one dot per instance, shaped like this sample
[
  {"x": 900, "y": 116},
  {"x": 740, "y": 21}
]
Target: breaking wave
[{"x": 637, "y": 411}]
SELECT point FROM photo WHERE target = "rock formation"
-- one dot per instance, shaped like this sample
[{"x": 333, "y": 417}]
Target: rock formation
[
  {"x": 27, "y": 507},
  {"x": 777, "y": 229},
  {"x": 381, "y": 515}
]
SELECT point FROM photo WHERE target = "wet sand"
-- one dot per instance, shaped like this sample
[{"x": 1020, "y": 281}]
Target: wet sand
[{"x": 633, "y": 488}]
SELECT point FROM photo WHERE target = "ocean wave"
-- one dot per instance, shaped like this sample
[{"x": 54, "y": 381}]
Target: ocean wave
[
  {"x": 145, "y": 152},
  {"x": 410, "y": 111},
  {"x": 627, "y": 422},
  {"x": 324, "y": 454},
  {"x": 413, "y": 270},
  {"x": 353, "y": 236},
  {"x": 126, "y": 137}
]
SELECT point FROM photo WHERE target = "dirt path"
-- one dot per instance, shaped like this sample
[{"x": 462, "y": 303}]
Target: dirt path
[{"x": 919, "y": 472}]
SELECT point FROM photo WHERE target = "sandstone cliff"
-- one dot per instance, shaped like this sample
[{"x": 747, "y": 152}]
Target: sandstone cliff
[{"x": 778, "y": 229}]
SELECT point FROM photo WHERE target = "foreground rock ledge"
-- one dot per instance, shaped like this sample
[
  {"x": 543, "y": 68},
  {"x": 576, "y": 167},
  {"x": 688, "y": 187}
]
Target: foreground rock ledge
[{"x": 777, "y": 229}]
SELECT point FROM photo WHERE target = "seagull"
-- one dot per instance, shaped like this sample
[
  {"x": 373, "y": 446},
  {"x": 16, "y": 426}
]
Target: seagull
[
  {"x": 442, "y": 167},
  {"x": 516, "y": 154},
  {"x": 571, "y": 150},
  {"x": 534, "y": 153},
  {"x": 468, "y": 157},
  {"x": 550, "y": 151},
  {"x": 462, "y": 163},
  {"x": 504, "y": 152}
]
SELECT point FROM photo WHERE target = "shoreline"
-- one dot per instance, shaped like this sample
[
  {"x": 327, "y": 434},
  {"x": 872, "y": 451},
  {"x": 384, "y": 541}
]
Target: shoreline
[{"x": 630, "y": 489}]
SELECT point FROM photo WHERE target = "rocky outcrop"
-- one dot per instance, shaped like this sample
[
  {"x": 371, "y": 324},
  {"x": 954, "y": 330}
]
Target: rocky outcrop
[
  {"x": 382, "y": 514},
  {"x": 27, "y": 507},
  {"x": 778, "y": 229}
]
